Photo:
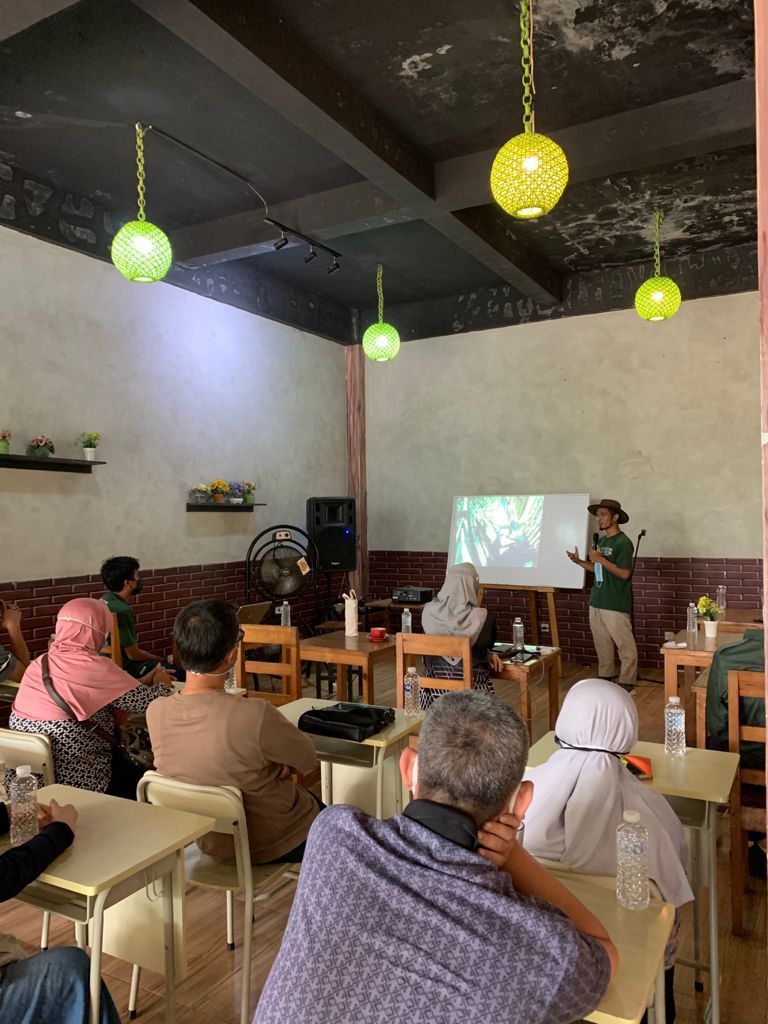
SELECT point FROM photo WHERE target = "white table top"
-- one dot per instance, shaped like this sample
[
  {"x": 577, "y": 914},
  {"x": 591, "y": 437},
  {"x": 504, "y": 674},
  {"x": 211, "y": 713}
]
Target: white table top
[
  {"x": 115, "y": 838},
  {"x": 640, "y": 937},
  {"x": 699, "y": 775},
  {"x": 401, "y": 727}
]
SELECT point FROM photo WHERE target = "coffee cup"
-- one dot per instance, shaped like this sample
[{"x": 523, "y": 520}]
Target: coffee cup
[{"x": 378, "y": 633}]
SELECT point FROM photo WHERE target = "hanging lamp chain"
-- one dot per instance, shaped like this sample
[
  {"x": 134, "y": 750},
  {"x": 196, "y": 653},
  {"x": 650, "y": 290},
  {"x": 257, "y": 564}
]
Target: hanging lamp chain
[
  {"x": 140, "y": 169},
  {"x": 526, "y": 47},
  {"x": 380, "y": 290},
  {"x": 658, "y": 220}
]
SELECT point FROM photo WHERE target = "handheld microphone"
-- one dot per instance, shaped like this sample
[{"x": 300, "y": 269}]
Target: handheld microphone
[{"x": 598, "y": 567}]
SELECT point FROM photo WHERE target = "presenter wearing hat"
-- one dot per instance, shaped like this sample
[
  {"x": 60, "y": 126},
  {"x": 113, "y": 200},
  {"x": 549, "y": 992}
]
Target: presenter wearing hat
[{"x": 610, "y": 599}]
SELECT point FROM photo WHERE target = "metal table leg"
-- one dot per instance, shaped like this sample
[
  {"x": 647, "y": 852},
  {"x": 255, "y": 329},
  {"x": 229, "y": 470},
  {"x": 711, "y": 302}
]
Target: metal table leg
[{"x": 714, "y": 958}]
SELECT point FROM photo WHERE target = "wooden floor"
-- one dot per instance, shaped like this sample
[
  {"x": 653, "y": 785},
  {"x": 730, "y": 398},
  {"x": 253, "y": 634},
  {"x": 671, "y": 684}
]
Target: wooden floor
[{"x": 210, "y": 995}]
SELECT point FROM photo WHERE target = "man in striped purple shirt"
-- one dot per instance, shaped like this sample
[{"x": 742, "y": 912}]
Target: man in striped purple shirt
[{"x": 438, "y": 915}]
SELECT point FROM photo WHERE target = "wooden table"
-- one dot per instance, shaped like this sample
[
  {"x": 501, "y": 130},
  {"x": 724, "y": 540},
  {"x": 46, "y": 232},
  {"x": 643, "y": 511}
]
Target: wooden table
[
  {"x": 120, "y": 847},
  {"x": 369, "y": 753},
  {"x": 549, "y": 662},
  {"x": 640, "y": 936},
  {"x": 737, "y": 619},
  {"x": 343, "y": 651},
  {"x": 697, "y": 654},
  {"x": 702, "y": 778}
]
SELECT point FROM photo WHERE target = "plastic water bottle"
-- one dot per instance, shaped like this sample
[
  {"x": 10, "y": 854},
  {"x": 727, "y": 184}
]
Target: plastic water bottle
[
  {"x": 693, "y": 618},
  {"x": 720, "y": 599},
  {"x": 285, "y": 614},
  {"x": 674, "y": 728},
  {"x": 632, "y": 862},
  {"x": 411, "y": 688},
  {"x": 230, "y": 682},
  {"x": 406, "y": 621},
  {"x": 23, "y": 794},
  {"x": 518, "y": 635}
]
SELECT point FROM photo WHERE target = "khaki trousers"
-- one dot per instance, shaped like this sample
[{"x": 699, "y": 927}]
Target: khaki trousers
[{"x": 609, "y": 630}]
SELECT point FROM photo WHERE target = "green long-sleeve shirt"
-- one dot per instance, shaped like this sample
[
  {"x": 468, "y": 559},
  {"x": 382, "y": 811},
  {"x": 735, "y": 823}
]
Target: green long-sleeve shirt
[{"x": 747, "y": 655}]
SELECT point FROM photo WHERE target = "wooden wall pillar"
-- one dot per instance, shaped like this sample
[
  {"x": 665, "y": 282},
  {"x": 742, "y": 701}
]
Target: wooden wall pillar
[
  {"x": 761, "y": 82},
  {"x": 357, "y": 479}
]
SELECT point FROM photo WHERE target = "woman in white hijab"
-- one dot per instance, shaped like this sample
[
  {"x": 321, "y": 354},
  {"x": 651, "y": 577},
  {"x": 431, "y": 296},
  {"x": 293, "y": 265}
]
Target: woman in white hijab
[
  {"x": 581, "y": 792},
  {"x": 455, "y": 612}
]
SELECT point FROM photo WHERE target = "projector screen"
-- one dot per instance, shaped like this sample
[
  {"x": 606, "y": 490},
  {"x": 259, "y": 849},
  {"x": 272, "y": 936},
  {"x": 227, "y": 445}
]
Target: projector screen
[{"x": 520, "y": 539}]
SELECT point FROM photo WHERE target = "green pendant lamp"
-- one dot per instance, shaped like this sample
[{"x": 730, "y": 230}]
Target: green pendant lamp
[
  {"x": 381, "y": 342},
  {"x": 658, "y": 298},
  {"x": 530, "y": 171},
  {"x": 141, "y": 251}
]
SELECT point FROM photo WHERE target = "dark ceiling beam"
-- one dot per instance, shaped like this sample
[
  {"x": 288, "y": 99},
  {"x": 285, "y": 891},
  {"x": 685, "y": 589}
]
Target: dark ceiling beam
[
  {"x": 18, "y": 15},
  {"x": 709, "y": 121},
  {"x": 325, "y": 215},
  {"x": 260, "y": 52},
  {"x": 703, "y": 122}
]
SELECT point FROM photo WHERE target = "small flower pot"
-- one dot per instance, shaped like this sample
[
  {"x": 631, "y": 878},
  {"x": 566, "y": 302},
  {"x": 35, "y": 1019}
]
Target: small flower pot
[
  {"x": 710, "y": 627},
  {"x": 219, "y": 499},
  {"x": 235, "y": 501},
  {"x": 5, "y": 447},
  {"x": 40, "y": 453},
  {"x": 89, "y": 454},
  {"x": 249, "y": 498}
]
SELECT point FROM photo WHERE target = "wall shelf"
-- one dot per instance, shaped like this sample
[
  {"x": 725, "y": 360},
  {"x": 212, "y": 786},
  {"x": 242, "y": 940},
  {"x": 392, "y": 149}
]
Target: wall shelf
[
  {"x": 213, "y": 507},
  {"x": 51, "y": 465}
]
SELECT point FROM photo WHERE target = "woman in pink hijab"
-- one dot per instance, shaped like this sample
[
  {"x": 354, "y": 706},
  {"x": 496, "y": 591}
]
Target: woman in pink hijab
[{"x": 92, "y": 686}]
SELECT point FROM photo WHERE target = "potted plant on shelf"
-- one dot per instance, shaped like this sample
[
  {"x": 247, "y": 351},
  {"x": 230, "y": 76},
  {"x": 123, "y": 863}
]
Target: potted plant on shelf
[
  {"x": 249, "y": 496},
  {"x": 200, "y": 494},
  {"x": 219, "y": 490},
  {"x": 235, "y": 492},
  {"x": 41, "y": 447},
  {"x": 708, "y": 612},
  {"x": 90, "y": 441},
  {"x": 5, "y": 442}
]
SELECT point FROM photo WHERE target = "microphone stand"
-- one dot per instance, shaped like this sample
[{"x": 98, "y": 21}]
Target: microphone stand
[{"x": 632, "y": 609}]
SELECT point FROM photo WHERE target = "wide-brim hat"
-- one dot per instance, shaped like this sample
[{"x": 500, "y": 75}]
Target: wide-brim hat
[{"x": 612, "y": 505}]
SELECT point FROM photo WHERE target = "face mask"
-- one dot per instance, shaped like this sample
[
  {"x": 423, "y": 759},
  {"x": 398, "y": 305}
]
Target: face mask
[{"x": 138, "y": 588}]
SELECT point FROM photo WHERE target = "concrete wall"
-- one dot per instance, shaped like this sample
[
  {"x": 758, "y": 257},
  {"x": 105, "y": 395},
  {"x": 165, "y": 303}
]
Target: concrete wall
[
  {"x": 664, "y": 417},
  {"x": 182, "y": 390}
]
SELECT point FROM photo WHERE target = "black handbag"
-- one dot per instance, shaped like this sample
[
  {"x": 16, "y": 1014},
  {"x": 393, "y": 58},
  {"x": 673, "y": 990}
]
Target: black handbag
[{"x": 354, "y": 722}]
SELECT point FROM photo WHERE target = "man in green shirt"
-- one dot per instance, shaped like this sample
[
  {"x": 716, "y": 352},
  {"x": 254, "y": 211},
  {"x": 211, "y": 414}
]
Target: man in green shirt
[
  {"x": 747, "y": 655},
  {"x": 610, "y": 599},
  {"x": 120, "y": 575}
]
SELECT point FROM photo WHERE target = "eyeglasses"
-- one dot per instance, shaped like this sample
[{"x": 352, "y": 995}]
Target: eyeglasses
[{"x": 240, "y": 638}]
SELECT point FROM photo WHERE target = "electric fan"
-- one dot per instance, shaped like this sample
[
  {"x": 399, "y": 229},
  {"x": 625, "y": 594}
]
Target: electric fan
[{"x": 281, "y": 561}]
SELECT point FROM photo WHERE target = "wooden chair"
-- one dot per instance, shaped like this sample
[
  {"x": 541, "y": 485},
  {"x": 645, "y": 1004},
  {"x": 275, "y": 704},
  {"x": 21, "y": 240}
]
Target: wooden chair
[
  {"x": 410, "y": 646},
  {"x": 113, "y": 648},
  {"x": 288, "y": 668},
  {"x": 748, "y": 793}
]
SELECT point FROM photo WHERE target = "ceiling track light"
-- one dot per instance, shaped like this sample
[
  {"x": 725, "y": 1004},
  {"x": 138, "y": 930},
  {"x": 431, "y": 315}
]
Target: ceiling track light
[{"x": 288, "y": 234}]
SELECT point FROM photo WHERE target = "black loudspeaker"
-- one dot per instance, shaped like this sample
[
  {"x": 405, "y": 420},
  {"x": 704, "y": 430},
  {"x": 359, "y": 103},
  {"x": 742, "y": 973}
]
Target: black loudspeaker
[{"x": 332, "y": 526}]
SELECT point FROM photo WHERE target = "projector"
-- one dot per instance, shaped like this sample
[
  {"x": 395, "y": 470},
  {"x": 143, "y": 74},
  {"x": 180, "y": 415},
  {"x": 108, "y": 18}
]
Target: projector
[{"x": 411, "y": 595}]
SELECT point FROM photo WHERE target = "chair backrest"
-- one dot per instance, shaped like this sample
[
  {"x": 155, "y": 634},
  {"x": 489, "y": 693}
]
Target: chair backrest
[
  {"x": 113, "y": 648},
  {"x": 224, "y": 803},
  {"x": 410, "y": 646},
  {"x": 288, "y": 667},
  {"x": 751, "y": 685},
  {"x": 32, "y": 748}
]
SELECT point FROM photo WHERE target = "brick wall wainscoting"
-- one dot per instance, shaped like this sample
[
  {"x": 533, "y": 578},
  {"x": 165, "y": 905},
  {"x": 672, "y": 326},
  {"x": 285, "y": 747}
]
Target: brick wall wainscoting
[
  {"x": 165, "y": 592},
  {"x": 662, "y": 589}
]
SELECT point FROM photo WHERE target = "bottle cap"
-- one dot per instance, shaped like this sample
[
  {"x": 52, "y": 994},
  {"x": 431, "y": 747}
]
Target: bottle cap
[
  {"x": 632, "y": 817},
  {"x": 24, "y": 769},
  {"x": 674, "y": 700},
  {"x": 518, "y": 619}
]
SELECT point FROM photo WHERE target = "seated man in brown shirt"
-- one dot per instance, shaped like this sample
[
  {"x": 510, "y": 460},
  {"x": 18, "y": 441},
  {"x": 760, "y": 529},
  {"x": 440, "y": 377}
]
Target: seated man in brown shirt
[{"x": 206, "y": 736}]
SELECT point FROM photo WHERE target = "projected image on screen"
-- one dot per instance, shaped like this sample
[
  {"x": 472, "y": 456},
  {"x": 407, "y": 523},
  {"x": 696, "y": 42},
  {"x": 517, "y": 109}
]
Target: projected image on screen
[{"x": 498, "y": 530}]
